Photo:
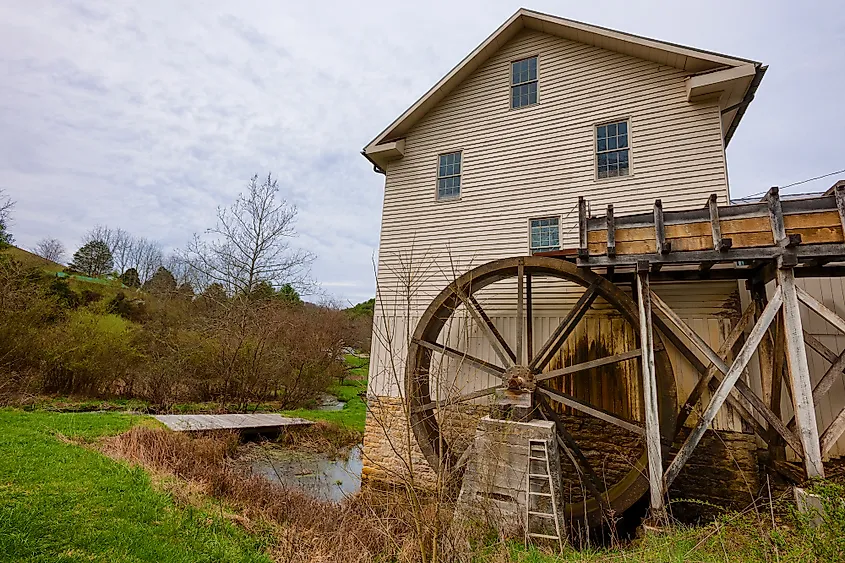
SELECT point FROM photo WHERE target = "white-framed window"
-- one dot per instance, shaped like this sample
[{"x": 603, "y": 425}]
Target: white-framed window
[
  {"x": 612, "y": 150},
  {"x": 523, "y": 83},
  {"x": 449, "y": 175},
  {"x": 544, "y": 234}
]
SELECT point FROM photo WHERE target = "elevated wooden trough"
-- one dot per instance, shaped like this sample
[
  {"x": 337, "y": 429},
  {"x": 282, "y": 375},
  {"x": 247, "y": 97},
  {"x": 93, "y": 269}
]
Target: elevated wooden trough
[{"x": 771, "y": 240}]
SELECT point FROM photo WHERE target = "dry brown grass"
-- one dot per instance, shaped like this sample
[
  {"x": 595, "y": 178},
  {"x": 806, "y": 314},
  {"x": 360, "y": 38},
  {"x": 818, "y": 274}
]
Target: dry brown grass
[{"x": 371, "y": 526}]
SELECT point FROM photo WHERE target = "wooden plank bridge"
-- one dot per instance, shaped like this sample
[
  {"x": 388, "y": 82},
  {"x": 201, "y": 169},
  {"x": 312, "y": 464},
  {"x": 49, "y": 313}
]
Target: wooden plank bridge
[{"x": 247, "y": 423}]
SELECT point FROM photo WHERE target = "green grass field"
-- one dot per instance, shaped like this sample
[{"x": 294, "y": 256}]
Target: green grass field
[{"x": 60, "y": 502}]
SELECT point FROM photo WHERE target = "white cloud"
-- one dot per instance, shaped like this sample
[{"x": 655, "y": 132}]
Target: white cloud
[{"x": 150, "y": 115}]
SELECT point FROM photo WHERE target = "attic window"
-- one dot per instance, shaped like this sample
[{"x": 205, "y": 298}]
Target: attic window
[
  {"x": 524, "y": 83},
  {"x": 612, "y": 146},
  {"x": 449, "y": 176}
]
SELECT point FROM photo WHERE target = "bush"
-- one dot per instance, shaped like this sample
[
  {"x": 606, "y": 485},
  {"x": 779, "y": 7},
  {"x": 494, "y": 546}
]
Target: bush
[{"x": 89, "y": 353}]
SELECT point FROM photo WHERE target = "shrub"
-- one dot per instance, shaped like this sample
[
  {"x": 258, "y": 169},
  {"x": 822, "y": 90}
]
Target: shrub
[{"x": 89, "y": 353}]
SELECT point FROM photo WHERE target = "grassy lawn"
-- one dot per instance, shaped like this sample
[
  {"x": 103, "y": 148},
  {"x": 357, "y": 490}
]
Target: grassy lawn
[{"x": 60, "y": 502}]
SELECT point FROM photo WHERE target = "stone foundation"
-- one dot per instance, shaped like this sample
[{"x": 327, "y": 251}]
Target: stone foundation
[{"x": 721, "y": 474}]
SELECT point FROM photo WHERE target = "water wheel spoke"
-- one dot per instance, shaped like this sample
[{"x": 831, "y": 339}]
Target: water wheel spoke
[
  {"x": 583, "y": 406},
  {"x": 457, "y": 400},
  {"x": 570, "y": 447},
  {"x": 491, "y": 333},
  {"x": 462, "y": 356},
  {"x": 584, "y": 366},
  {"x": 564, "y": 329}
]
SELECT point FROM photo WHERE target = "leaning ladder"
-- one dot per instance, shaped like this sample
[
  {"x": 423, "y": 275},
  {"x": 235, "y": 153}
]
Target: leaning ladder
[{"x": 540, "y": 489}]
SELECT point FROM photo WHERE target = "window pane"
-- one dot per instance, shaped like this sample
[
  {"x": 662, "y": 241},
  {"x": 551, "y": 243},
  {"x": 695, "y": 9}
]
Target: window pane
[
  {"x": 611, "y": 130},
  {"x": 623, "y": 157},
  {"x": 532, "y": 69},
  {"x": 611, "y": 143},
  {"x": 532, "y": 93},
  {"x": 622, "y": 128},
  {"x": 602, "y": 132},
  {"x": 612, "y": 158},
  {"x": 622, "y": 141}
]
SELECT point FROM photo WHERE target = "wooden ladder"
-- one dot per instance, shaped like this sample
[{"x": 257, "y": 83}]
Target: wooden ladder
[{"x": 541, "y": 489}]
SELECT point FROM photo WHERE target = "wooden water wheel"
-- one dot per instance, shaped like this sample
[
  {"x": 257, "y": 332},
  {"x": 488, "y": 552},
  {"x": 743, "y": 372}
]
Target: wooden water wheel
[{"x": 516, "y": 363}]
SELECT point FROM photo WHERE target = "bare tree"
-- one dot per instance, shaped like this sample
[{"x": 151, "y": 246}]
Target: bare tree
[
  {"x": 251, "y": 243},
  {"x": 51, "y": 249},
  {"x": 6, "y": 205},
  {"x": 146, "y": 257}
]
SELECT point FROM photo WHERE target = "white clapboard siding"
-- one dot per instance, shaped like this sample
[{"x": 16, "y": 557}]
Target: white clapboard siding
[{"x": 535, "y": 162}]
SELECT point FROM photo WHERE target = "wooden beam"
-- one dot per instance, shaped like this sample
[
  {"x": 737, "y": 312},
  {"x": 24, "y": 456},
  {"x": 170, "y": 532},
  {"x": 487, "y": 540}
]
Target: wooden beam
[
  {"x": 719, "y": 244},
  {"x": 579, "y": 405},
  {"x": 584, "y": 366},
  {"x": 488, "y": 329},
  {"x": 564, "y": 329},
  {"x": 611, "y": 232},
  {"x": 583, "y": 238},
  {"x": 652, "y": 417},
  {"x": 764, "y": 354},
  {"x": 721, "y": 394},
  {"x": 742, "y": 387},
  {"x": 820, "y": 348},
  {"x": 520, "y": 309},
  {"x": 834, "y": 431},
  {"x": 776, "y": 449},
  {"x": 529, "y": 317},
  {"x": 839, "y": 195},
  {"x": 820, "y": 308},
  {"x": 663, "y": 247},
  {"x": 833, "y": 373},
  {"x": 802, "y": 387},
  {"x": 688, "y": 354},
  {"x": 457, "y": 400},
  {"x": 457, "y": 354},
  {"x": 705, "y": 378}
]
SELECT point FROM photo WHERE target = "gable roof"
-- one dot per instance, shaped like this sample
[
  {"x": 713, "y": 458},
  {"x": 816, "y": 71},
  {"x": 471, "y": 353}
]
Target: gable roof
[{"x": 695, "y": 61}]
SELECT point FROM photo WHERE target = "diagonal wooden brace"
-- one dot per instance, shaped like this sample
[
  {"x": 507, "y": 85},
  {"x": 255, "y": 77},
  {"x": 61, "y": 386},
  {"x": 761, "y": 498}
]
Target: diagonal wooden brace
[
  {"x": 747, "y": 393},
  {"x": 721, "y": 394}
]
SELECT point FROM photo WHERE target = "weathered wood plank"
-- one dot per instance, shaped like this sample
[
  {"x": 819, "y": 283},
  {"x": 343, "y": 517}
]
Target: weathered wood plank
[
  {"x": 579, "y": 405},
  {"x": 802, "y": 388},
  {"x": 652, "y": 417},
  {"x": 591, "y": 364},
  {"x": 833, "y": 432},
  {"x": 242, "y": 422},
  {"x": 478, "y": 363},
  {"x": 457, "y": 400}
]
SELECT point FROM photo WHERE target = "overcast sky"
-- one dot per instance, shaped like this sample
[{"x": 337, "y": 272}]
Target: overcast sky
[{"x": 148, "y": 115}]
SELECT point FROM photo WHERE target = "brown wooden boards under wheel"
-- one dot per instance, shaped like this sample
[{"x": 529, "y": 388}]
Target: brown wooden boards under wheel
[{"x": 593, "y": 391}]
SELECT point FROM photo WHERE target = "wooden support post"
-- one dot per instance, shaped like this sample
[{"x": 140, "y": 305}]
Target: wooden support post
[
  {"x": 839, "y": 194},
  {"x": 663, "y": 247},
  {"x": 777, "y": 451},
  {"x": 652, "y": 420},
  {"x": 721, "y": 394},
  {"x": 529, "y": 318},
  {"x": 611, "y": 232},
  {"x": 583, "y": 240},
  {"x": 719, "y": 244},
  {"x": 520, "y": 310},
  {"x": 799, "y": 370},
  {"x": 796, "y": 351},
  {"x": 758, "y": 295}
]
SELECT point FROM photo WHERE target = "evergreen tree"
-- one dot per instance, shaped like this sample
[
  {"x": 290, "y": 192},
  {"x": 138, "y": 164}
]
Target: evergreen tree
[
  {"x": 130, "y": 278},
  {"x": 93, "y": 259},
  {"x": 289, "y": 295},
  {"x": 162, "y": 282}
]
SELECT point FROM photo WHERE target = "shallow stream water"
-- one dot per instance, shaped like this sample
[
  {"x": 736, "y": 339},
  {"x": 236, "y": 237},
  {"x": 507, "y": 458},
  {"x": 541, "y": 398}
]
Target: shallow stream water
[{"x": 314, "y": 473}]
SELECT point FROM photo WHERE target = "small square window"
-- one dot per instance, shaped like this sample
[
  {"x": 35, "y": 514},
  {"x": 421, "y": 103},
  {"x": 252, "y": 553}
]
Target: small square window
[
  {"x": 612, "y": 158},
  {"x": 449, "y": 176},
  {"x": 545, "y": 234},
  {"x": 524, "y": 83}
]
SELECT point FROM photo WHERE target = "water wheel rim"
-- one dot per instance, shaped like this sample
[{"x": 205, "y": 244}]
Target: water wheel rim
[{"x": 436, "y": 450}]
